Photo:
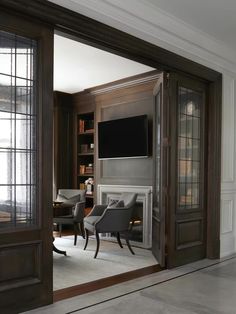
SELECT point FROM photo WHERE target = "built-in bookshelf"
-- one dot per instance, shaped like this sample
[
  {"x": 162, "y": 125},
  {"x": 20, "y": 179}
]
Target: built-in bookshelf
[{"x": 85, "y": 155}]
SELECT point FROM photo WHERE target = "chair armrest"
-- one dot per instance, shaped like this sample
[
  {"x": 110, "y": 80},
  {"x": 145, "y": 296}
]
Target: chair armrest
[{"x": 97, "y": 210}]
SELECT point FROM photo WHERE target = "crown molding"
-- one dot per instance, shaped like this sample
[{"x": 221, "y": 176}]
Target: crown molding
[
  {"x": 125, "y": 83},
  {"x": 92, "y": 32},
  {"x": 141, "y": 19}
]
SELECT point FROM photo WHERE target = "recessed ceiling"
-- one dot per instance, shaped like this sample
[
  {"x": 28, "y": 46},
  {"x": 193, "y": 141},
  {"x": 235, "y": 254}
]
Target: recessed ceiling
[{"x": 78, "y": 66}]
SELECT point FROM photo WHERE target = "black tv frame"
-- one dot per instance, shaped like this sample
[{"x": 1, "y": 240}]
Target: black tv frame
[{"x": 119, "y": 129}]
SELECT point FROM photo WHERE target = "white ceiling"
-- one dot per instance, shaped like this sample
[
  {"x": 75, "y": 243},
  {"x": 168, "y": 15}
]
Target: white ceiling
[
  {"x": 78, "y": 66},
  {"x": 214, "y": 17}
]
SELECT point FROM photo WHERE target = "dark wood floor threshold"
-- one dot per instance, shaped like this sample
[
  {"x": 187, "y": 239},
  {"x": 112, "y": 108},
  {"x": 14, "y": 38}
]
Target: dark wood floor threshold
[{"x": 73, "y": 291}]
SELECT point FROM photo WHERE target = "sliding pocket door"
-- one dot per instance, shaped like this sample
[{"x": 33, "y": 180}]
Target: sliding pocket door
[{"x": 25, "y": 164}]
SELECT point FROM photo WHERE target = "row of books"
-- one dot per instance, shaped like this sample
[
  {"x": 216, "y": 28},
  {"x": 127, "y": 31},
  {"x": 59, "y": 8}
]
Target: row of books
[
  {"x": 86, "y": 126},
  {"x": 83, "y": 169}
]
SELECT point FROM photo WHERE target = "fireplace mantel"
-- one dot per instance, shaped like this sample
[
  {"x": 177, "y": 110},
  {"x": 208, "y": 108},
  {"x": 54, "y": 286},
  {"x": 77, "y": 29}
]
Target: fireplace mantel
[{"x": 144, "y": 196}]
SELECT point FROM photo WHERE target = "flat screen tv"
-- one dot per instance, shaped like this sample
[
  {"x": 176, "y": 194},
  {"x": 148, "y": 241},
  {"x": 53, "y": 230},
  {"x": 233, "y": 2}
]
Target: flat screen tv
[{"x": 123, "y": 138}]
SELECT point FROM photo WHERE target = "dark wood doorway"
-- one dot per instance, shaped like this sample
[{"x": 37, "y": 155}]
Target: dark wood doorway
[{"x": 102, "y": 36}]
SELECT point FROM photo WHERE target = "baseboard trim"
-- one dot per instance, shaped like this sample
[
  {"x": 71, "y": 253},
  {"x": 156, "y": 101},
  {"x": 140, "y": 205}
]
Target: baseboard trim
[{"x": 73, "y": 291}]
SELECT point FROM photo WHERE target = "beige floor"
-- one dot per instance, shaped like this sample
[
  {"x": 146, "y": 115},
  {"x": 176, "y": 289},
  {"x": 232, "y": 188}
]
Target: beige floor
[
  {"x": 79, "y": 266},
  {"x": 203, "y": 287}
]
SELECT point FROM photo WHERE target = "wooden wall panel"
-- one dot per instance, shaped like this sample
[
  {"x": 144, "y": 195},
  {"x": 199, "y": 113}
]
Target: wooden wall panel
[
  {"x": 121, "y": 103},
  {"x": 134, "y": 170},
  {"x": 120, "y": 99},
  {"x": 20, "y": 264},
  {"x": 188, "y": 233}
]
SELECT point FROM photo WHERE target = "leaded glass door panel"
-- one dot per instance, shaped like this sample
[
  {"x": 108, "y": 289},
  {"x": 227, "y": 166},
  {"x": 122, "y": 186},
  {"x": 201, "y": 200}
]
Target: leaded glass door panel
[
  {"x": 18, "y": 124},
  {"x": 25, "y": 164},
  {"x": 188, "y": 169}
]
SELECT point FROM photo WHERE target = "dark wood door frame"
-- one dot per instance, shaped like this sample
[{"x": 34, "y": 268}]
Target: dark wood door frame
[{"x": 96, "y": 34}]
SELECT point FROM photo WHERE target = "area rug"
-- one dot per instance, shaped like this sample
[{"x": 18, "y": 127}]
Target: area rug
[{"x": 79, "y": 266}]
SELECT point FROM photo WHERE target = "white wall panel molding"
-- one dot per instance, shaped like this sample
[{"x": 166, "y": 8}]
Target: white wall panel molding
[
  {"x": 226, "y": 216},
  {"x": 228, "y": 189},
  {"x": 228, "y": 224},
  {"x": 228, "y": 130},
  {"x": 143, "y": 20}
]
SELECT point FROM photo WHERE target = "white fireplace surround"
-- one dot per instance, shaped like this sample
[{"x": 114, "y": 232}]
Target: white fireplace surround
[{"x": 144, "y": 196}]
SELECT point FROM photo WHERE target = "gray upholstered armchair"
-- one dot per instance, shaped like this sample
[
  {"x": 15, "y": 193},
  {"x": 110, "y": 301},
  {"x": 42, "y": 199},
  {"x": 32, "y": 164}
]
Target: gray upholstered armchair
[
  {"x": 114, "y": 217},
  {"x": 74, "y": 199}
]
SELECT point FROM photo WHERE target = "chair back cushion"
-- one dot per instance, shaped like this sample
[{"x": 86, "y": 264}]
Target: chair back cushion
[
  {"x": 117, "y": 216},
  {"x": 129, "y": 199},
  {"x": 116, "y": 204},
  {"x": 70, "y": 196}
]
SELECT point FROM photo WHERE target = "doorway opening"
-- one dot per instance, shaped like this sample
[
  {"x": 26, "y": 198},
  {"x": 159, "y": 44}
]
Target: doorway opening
[
  {"x": 91, "y": 86},
  {"x": 33, "y": 243}
]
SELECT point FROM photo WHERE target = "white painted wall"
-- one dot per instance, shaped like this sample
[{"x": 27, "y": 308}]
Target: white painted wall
[
  {"x": 142, "y": 19},
  {"x": 228, "y": 182}
]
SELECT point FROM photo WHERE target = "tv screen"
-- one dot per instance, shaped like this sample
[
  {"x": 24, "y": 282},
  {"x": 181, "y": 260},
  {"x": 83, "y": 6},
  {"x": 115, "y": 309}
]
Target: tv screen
[{"x": 123, "y": 138}]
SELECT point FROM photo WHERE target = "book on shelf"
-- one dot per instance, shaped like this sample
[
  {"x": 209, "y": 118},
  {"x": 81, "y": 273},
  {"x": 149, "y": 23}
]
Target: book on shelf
[
  {"x": 81, "y": 126},
  {"x": 82, "y": 169},
  {"x": 89, "y": 131},
  {"x": 86, "y": 126},
  {"x": 88, "y": 170},
  {"x": 82, "y": 186}
]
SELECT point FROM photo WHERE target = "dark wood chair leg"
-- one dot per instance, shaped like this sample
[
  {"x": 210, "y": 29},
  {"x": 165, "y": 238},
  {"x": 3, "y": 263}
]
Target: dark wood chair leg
[
  {"x": 118, "y": 239},
  {"x": 81, "y": 226},
  {"x": 86, "y": 238},
  {"x": 128, "y": 244},
  {"x": 76, "y": 232},
  {"x": 55, "y": 249},
  {"x": 60, "y": 230},
  {"x": 98, "y": 244},
  {"x": 75, "y": 239},
  {"x": 58, "y": 251}
]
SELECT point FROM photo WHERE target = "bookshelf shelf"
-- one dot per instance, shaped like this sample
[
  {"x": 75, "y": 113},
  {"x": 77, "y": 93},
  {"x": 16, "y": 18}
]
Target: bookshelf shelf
[
  {"x": 88, "y": 132},
  {"x": 85, "y": 154},
  {"x": 86, "y": 175}
]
